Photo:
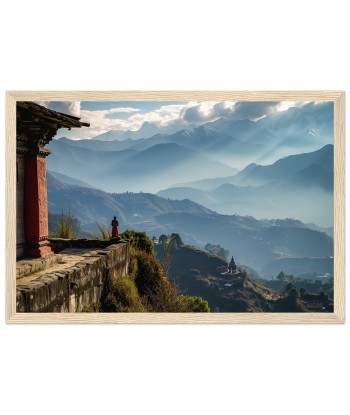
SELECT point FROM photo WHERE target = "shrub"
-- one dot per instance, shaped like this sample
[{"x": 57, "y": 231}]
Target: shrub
[
  {"x": 194, "y": 304},
  {"x": 217, "y": 250},
  {"x": 139, "y": 241},
  {"x": 162, "y": 239},
  {"x": 149, "y": 273},
  {"x": 122, "y": 297},
  {"x": 158, "y": 294},
  {"x": 93, "y": 308},
  {"x": 147, "y": 288},
  {"x": 64, "y": 226},
  {"x": 177, "y": 239},
  {"x": 104, "y": 232}
]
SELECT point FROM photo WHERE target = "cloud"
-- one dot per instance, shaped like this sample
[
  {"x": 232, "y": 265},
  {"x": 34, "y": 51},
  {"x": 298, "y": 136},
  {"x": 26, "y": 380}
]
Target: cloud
[
  {"x": 253, "y": 110},
  {"x": 313, "y": 106},
  {"x": 120, "y": 110},
  {"x": 170, "y": 118},
  {"x": 200, "y": 112},
  {"x": 164, "y": 116},
  {"x": 100, "y": 122},
  {"x": 67, "y": 107}
]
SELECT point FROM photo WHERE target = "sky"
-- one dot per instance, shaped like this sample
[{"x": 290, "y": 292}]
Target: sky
[{"x": 166, "y": 116}]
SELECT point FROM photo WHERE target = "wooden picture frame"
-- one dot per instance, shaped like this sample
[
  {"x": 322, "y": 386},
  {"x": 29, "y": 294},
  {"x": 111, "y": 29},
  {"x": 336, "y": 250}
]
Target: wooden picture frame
[{"x": 337, "y": 97}]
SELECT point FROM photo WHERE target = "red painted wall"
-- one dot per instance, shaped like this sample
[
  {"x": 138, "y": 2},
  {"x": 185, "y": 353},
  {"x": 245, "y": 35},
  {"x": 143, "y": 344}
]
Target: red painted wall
[{"x": 35, "y": 206}]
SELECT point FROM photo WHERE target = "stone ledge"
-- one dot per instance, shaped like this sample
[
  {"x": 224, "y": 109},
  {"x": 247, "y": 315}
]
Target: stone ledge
[
  {"x": 27, "y": 266},
  {"x": 58, "y": 244},
  {"x": 73, "y": 288}
]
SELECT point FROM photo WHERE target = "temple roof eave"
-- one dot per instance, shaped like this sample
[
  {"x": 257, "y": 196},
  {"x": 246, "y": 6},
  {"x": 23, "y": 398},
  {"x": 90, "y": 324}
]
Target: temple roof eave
[{"x": 62, "y": 120}]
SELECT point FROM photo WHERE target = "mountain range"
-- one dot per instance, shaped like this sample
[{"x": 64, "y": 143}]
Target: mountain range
[
  {"x": 298, "y": 186},
  {"x": 145, "y": 170},
  {"x": 232, "y": 182},
  {"x": 152, "y": 159},
  {"x": 253, "y": 242}
]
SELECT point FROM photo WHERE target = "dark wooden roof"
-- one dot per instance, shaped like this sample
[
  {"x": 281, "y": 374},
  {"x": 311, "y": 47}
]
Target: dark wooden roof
[{"x": 63, "y": 120}]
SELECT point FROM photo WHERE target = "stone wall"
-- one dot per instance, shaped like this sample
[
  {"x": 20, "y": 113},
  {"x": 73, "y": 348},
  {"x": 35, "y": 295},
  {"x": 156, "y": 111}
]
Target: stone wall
[
  {"x": 30, "y": 266},
  {"x": 58, "y": 244},
  {"x": 72, "y": 289}
]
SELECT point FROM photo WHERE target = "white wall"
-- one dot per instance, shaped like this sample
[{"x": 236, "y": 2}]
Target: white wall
[{"x": 150, "y": 44}]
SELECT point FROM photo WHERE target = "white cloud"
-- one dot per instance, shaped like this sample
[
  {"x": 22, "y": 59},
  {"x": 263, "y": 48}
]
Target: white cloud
[
  {"x": 121, "y": 109},
  {"x": 285, "y": 105},
  {"x": 99, "y": 121},
  {"x": 168, "y": 118},
  {"x": 162, "y": 117},
  {"x": 67, "y": 107},
  {"x": 201, "y": 112}
]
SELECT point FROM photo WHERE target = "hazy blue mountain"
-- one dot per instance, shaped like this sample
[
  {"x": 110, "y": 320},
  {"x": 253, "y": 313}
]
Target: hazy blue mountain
[
  {"x": 298, "y": 186},
  {"x": 69, "y": 180},
  {"x": 308, "y": 169},
  {"x": 329, "y": 230},
  {"x": 236, "y": 143},
  {"x": 147, "y": 130},
  {"x": 267, "y": 201},
  {"x": 246, "y": 131},
  {"x": 82, "y": 163},
  {"x": 304, "y": 267},
  {"x": 98, "y": 145},
  {"x": 216, "y": 202},
  {"x": 253, "y": 242},
  {"x": 133, "y": 170},
  {"x": 300, "y": 126},
  {"x": 316, "y": 175},
  {"x": 204, "y": 160},
  {"x": 89, "y": 205},
  {"x": 93, "y": 206},
  {"x": 161, "y": 158},
  {"x": 298, "y": 168}
]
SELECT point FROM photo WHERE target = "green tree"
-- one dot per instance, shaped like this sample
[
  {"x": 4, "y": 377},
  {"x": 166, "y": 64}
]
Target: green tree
[
  {"x": 302, "y": 292},
  {"x": 217, "y": 250},
  {"x": 281, "y": 276},
  {"x": 177, "y": 239},
  {"x": 163, "y": 239},
  {"x": 288, "y": 287},
  {"x": 166, "y": 253},
  {"x": 293, "y": 296}
]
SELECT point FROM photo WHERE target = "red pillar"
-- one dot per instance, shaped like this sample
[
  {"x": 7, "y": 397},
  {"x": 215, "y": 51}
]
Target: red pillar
[{"x": 35, "y": 207}]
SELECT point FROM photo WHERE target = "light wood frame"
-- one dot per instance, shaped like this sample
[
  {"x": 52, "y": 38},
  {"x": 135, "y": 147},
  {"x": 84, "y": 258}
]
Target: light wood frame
[{"x": 339, "y": 273}]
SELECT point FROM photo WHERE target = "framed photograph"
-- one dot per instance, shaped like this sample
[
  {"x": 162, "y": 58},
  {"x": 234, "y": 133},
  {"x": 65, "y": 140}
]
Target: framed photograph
[{"x": 175, "y": 207}]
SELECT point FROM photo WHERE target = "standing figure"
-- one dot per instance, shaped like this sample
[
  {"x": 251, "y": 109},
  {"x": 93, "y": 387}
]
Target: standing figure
[{"x": 115, "y": 224}]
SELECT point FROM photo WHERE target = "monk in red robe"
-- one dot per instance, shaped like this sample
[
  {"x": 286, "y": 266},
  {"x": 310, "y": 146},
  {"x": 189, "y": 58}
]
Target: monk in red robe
[{"x": 115, "y": 224}]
